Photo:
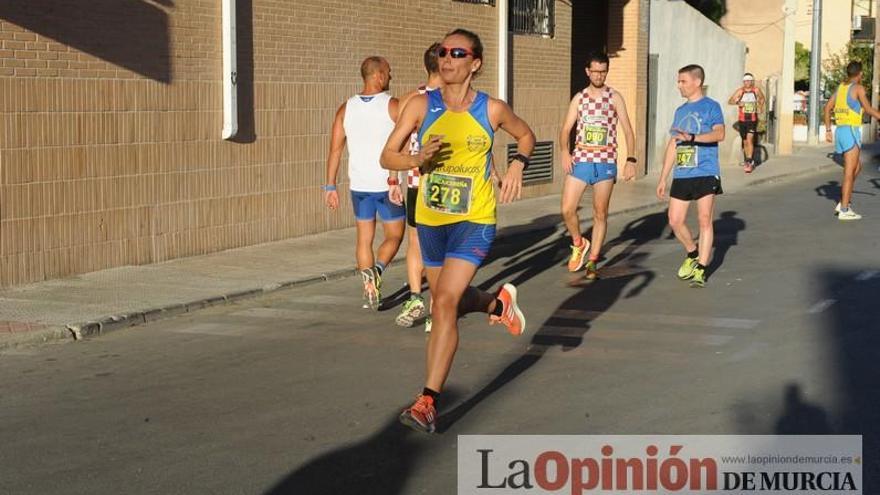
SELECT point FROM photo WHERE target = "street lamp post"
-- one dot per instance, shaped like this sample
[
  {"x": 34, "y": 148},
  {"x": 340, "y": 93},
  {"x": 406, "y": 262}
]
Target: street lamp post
[{"x": 813, "y": 124}]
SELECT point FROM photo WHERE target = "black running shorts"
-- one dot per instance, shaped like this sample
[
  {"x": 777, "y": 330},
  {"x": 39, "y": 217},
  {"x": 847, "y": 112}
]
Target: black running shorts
[
  {"x": 747, "y": 127},
  {"x": 695, "y": 187},
  {"x": 412, "y": 195}
]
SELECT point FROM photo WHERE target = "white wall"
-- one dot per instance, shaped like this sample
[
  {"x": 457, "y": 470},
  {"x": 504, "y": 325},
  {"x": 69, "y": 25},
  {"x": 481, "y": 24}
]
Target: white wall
[{"x": 680, "y": 36}]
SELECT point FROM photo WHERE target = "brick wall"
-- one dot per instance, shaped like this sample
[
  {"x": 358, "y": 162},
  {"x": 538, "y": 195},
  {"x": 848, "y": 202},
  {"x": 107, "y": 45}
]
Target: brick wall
[{"x": 110, "y": 120}]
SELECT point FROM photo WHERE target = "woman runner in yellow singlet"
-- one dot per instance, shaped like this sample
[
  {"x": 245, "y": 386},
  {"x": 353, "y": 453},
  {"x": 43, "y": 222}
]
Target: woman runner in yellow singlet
[{"x": 455, "y": 212}]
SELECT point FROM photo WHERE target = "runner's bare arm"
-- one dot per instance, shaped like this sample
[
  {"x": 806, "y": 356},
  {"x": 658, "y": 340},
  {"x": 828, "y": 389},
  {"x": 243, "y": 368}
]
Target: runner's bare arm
[
  {"x": 565, "y": 133},
  {"x": 716, "y": 135},
  {"x": 393, "y": 156},
  {"x": 668, "y": 160},
  {"x": 629, "y": 170},
  {"x": 502, "y": 116},
  {"x": 334, "y": 156},
  {"x": 863, "y": 99},
  {"x": 394, "y": 109},
  {"x": 734, "y": 98},
  {"x": 829, "y": 105}
]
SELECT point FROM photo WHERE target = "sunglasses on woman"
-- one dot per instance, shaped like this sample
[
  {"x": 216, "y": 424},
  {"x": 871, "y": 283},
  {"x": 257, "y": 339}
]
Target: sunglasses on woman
[{"x": 453, "y": 52}]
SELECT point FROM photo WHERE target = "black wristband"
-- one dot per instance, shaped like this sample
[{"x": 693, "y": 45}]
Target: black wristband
[
  {"x": 631, "y": 159},
  {"x": 693, "y": 138},
  {"x": 522, "y": 158}
]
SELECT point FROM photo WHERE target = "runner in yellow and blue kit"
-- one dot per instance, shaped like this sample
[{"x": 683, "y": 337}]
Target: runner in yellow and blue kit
[
  {"x": 455, "y": 212},
  {"x": 848, "y": 103}
]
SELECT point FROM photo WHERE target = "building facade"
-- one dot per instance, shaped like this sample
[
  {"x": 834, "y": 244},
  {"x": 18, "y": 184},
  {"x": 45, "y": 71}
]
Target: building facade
[{"x": 110, "y": 117}]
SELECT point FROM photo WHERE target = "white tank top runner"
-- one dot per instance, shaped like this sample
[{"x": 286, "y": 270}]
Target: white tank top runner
[
  {"x": 367, "y": 127},
  {"x": 596, "y": 140}
]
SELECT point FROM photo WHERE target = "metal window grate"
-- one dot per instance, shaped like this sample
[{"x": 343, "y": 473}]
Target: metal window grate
[
  {"x": 482, "y": 2},
  {"x": 541, "y": 164},
  {"x": 532, "y": 17}
]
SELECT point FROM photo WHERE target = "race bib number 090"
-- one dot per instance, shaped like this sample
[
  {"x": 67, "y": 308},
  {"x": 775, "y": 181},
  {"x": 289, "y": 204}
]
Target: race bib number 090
[
  {"x": 449, "y": 193},
  {"x": 595, "y": 135},
  {"x": 686, "y": 156}
]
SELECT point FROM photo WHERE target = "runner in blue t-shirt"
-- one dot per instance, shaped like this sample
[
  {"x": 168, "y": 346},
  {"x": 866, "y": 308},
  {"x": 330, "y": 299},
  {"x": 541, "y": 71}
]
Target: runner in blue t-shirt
[{"x": 697, "y": 128}]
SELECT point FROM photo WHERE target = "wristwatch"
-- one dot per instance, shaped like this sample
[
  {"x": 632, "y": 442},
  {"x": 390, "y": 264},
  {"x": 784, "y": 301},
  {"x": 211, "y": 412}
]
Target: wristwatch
[
  {"x": 522, "y": 158},
  {"x": 393, "y": 181}
]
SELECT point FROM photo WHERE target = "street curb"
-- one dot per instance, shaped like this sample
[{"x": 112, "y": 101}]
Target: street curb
[{"x": 82, "y": 330}]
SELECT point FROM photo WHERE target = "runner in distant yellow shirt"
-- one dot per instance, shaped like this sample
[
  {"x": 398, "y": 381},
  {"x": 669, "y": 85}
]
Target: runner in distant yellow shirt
[
  {"x": 455, "y": 212},
  {"x": 848, "y": 103}
]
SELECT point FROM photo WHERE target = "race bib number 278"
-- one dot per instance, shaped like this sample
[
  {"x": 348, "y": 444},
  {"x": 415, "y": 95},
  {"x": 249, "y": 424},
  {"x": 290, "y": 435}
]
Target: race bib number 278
[{"x": 449, "y": 193}]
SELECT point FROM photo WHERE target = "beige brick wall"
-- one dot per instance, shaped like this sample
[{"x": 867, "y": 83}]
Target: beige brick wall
[
  {"x": 109, "y": 123},
  {"x": 628, "y": 48}
]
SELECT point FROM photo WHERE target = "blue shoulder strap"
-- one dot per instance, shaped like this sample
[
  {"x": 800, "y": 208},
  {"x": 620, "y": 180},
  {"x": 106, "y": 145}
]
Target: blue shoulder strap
[
  {"x": 435, "y": 109},
  {"x": 480, "y": 112}
]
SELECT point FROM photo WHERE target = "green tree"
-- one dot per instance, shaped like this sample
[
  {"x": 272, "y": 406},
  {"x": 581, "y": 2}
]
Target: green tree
[
  {"x": 713, "y": 9},
  {"x": 834, "y": 67},
  {"x": 801, "y": 64}
]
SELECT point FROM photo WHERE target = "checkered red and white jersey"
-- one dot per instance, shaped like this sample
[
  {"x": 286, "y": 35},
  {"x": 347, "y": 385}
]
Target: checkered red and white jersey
[
  {"x": 412, "y": 176},
  {"x": 592, "y": 113}
]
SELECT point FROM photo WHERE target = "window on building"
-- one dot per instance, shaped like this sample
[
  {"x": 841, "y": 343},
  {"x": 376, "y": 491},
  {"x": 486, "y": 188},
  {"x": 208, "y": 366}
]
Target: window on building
[
  {"x": 535, "y": 17},
  {"x": 483, "y": 2}
]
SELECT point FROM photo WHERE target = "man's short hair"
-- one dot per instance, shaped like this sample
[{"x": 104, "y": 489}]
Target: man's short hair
[
  {"x": 694, "y": 70},
  {"x": 371, "y": 65},
  {"x": 853, "y": 68},
  {"x": 432, "y": 62},
  {"x": 600, "y": 57}
]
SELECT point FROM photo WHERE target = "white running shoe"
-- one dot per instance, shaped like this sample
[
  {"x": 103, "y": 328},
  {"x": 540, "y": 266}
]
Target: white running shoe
[
  {"x": 848, "y": 214},
  {"x": 837, "y": 208}
]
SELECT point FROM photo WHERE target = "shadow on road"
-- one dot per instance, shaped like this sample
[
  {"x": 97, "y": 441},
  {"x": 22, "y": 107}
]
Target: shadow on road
[
  {"x": 381, "y": 464},
  {"x": 570, "y": 322},
  {"x": 727, "y": 229},
  {"x": 850, "y": 331},
  {"x": 526, "y": 254}
]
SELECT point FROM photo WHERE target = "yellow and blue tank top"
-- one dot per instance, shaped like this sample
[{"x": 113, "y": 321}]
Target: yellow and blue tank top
[
  {"x": 459, "y": 189},
  {"x": 847, "y": 109}
]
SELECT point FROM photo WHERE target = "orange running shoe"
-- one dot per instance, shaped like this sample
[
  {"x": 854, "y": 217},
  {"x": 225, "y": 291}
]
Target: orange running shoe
[
  {"x": 421, "y": 416},
  {"x": 578, "y": 255},
  {"x": 512, "y": 317}
]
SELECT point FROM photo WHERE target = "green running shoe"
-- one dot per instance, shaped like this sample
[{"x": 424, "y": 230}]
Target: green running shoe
[
  {"x": 592, "y": 271},
  {"x": 686, "y": 270},
  {"x": 413, "y": 309},
  {"x": 698, "y": 278}
]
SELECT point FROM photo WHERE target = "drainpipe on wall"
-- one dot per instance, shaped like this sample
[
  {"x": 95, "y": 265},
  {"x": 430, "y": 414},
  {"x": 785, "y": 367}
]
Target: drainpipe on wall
[
  {"x": 230, "y": 67},
  {"x": 502, "y": 50}
]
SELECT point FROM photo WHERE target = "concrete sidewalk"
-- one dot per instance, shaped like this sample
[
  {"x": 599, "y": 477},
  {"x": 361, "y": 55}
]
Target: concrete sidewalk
[{"x": 97, "y": 302}]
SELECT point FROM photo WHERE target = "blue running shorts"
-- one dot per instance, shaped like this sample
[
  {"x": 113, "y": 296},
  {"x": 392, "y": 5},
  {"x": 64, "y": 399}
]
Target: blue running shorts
[
  {"x": 367, "y": 204},
  {"x": 464, "y": 240},
  {"x": 846, "y": 137},
  {"x": 593, "y": 173}
]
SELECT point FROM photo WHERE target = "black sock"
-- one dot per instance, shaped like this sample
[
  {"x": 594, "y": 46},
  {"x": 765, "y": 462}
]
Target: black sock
[
  {"x": 701, "y": 266},
  {"x": 379, "y": 268},
  {"x": 499, "y": 308},
  {"x": 432, "y": 394},
  {"x": 693, "y": 254}
]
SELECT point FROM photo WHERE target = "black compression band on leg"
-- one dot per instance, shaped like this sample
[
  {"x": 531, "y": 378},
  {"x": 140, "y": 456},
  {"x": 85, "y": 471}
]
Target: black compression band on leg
[
  {"x": 432, "y": 394},
  {"x": 499, "y": 308}
]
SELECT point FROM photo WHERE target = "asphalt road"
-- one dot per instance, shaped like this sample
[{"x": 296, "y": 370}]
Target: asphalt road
[{"x": 298, "y": 392}]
